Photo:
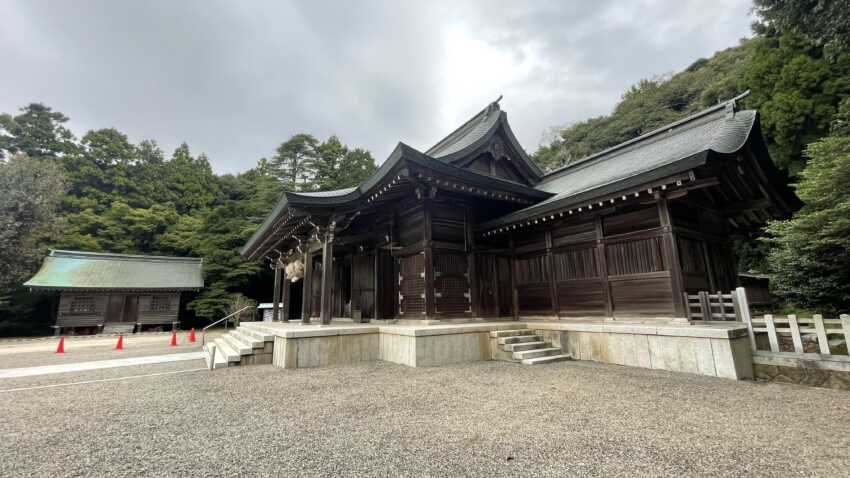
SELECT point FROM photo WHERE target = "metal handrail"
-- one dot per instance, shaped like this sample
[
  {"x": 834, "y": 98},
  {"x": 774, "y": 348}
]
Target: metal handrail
[{"x": 204, "y": 330}]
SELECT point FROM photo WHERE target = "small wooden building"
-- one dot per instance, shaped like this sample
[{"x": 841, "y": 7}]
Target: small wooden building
[
  {"x": 471, "y": 228},
  {"x": 116, "y": 291}
]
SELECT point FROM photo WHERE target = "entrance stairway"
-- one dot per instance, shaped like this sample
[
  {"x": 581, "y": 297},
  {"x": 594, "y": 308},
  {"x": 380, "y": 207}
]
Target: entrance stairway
[
  {"x": 248, "y": 344},
  {"x": 522, "y": 345}
]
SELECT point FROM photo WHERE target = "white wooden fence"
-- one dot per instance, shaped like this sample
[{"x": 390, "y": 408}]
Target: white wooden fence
[{"x": 789, "y": 340}]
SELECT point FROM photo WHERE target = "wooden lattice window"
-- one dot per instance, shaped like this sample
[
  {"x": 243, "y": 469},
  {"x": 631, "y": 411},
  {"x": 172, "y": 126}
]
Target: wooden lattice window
[
  {"x": 82, "y": 304},
  {"x": 160, "y": 303}
]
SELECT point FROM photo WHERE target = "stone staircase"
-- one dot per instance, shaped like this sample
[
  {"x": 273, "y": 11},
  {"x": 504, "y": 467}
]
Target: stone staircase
[
  {"x": 248, "y": 344},
  {"x": 522, "y": 345}
]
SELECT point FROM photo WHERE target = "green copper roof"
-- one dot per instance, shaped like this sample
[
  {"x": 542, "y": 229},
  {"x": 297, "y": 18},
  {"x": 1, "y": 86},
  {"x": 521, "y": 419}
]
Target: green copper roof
[{"x": 91, "y": 270}]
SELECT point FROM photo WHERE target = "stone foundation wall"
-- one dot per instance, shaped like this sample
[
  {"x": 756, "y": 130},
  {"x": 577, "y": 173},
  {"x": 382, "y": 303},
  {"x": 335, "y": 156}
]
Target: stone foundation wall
[
  {"x": 713, "y": 356},
  {"x": 803, "y": 376},
  {"x": 303, "y": 352}
]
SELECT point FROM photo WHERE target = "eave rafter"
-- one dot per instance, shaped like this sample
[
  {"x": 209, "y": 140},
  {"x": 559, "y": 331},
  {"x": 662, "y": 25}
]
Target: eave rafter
[{"x": 681, "y": 182}]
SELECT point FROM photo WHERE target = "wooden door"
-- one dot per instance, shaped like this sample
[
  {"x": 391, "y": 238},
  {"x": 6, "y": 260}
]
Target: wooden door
[
  {"x": 131, "y": 309},
  {"x": 363, "y": 285},
  {"x": 506, "y": 292},
  {"x": 485, "y": 267},
  {"x": 115, "y": 308}
]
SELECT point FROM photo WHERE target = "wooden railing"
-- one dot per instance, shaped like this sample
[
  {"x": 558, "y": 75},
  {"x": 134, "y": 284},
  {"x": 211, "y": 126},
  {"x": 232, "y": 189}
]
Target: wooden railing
[
  {"x": 800, "y": 330},
  {"x": 715, "y": 306}
]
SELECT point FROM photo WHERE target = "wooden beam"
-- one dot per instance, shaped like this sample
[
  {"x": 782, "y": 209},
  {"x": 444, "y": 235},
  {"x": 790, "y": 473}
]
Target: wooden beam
[
  {"x": 747, "y": 206},
  {"x": 471, "y": 269},
  {"x": 276, "y": 292},
  {"x": 307, "y": 290},
  {"x": 326, "y": 311},
  {"x": 553, "y": 284},
  {"x": 602, "y": 267},
  {"x": 671, "y": 255},
  {"x": 427, "y": 244},
  {"x": 285, "y": 298}
]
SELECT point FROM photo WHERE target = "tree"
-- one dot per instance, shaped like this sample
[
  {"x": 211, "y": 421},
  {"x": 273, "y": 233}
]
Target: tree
[
  {"x": 30, "y": 190},
  {"x": 797, "y": 91},
  {"x": 810, "y": 259},
  {"x": 38, "y": 131},
  {"x": 338, "y": 167},
  {"x": 650, "y": 104},
  {"x": 822, "y": 22},
  {"x": 294, "y": 160},
  {"x": 189, "y": 181}
]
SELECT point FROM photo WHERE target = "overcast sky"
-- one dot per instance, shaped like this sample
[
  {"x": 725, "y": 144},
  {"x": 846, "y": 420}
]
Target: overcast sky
[{"x": 234, "y": 79}]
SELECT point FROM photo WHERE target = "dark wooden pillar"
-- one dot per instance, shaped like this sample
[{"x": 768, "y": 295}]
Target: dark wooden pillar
[
  {"x": 427, "y": 244},
  {"x": 550, "y": 277},
  {"x": 472, "y": 275},
  {"x": 602, "y": 268},
  {"x": 276, "y": 293},
  {"x": 378, "y": 280},
  {"x": 514, "y": 290},
  {"x": 307, "y": 290},
  {"x": 327, "y": 275},
  {"x": 671, "y": 255},
  {"x": 284, "y": 295}
]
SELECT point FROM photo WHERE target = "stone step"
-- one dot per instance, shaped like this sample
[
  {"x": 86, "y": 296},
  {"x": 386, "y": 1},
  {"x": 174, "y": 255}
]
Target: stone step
[
  {"x": 246, "y": 338},
  {"x": 237, "y": 345},
  {"x": 510, "y": 333},
  {"x": 260, "y": 330},
  {"x": 547, "y": 359},
  {"x": 529, "y": 354},
  {"x": 225, "y": 351},
  {"x": 517, "y": 339},
  {"x": 257, "y": 333},
  {"x": 524, "y": 346},
  {"x": 220, "y": 360}
]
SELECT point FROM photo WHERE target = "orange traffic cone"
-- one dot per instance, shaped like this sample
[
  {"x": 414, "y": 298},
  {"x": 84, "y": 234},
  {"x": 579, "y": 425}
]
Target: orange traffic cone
[
  {"x": 61, "y": 348},
  {"x": 192, "y": 335},
  {"x": 174, "y": 338},
  {"x": 120, "y": 344}
]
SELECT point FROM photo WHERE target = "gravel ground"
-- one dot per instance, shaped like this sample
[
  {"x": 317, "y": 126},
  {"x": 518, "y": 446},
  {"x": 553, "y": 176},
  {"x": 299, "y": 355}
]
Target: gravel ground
[
  {"x": 487, "y": 418},
  {"x": 89, "y": 349},
  {"x": 34, "y": 359}
]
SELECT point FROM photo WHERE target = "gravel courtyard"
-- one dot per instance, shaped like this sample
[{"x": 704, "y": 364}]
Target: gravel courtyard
[{"x": 488, "y": 418}]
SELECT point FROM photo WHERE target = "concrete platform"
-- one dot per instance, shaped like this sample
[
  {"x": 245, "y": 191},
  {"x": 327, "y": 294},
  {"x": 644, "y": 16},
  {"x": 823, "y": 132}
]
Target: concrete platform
[{"x": 713, "y": 349}]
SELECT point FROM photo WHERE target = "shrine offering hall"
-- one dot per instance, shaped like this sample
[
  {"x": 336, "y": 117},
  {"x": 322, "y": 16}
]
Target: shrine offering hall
[{"x": 473, "y": 229}]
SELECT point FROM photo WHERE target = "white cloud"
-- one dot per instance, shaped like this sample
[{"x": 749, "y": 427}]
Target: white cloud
[{"x": 235, "y": 79}]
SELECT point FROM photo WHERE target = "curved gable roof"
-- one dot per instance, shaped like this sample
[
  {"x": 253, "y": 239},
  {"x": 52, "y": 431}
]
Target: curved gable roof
[
  {"x": 476, "y": 133},
  {"x": 672, "y": 149}
]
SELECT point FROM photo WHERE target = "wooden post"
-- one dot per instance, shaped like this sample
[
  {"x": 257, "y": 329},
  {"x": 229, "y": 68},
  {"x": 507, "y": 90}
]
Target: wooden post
[
  {"x": 795, "y": 333},
  {"x": 327, "y": 275},
  {"x": 285, "y": 298},
  {"x": 704, "y": 305},
  {"x": 430, "y": 296},
  {"x": 739, "y": 302},
  {"x": 276, "y": 293},
  {"x": 602, "y": 268},
  {"x": 471, "y": 272},
  {"x": 820, "y": 329},
  {"x": 514, "y": 290},
  {"x": 671, "y": 254},
  {"x": 845, "y": 326},
  {"x": 376, "y": 282},
  {"x": 771, "y": 333},
  {"x": 307, "y": 290},
  {"x": 553, "y": 282}
]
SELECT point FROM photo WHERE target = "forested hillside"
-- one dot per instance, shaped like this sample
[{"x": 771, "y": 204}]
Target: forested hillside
[{"x": 103, "y": 193}]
